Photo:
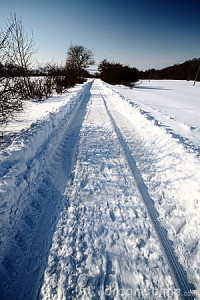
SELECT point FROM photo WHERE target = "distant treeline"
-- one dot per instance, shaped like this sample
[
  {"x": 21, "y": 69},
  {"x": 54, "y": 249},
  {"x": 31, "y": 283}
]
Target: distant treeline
[
  {"x": 116, "y": 73},
  {"x": 185, "y": 71}
]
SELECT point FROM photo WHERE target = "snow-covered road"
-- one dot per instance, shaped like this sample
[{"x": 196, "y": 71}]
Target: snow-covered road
[{"x": 105, "y": 211}]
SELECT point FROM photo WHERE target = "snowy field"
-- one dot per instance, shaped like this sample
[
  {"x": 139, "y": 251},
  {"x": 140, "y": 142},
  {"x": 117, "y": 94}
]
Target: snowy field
[
  {"x": 174, "y": 104},
  {"x": 100, "y": 195}
]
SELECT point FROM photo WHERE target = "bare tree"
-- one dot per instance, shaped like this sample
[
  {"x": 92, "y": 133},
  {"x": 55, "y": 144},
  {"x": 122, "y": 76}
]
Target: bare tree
[
  {"x": 4, "y": 81},
  {"x": 3, "y": 40},
  {"x": 79, "y": 58},
  {"x": 20, "y": 50},
  {"x": 8, "y": 102},
  {"x": 20, "y": 47},
  {"x": 16, "y": 52}
]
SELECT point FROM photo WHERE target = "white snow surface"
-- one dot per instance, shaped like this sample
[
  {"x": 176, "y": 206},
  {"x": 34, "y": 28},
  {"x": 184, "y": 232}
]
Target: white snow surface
[
  {"x": 74, "y": 224},
  {"x": 174, "y": 104},
  {"x": 35, "y": 111},
  {"x": 20, "y": 157},
  {"x": 104, "y": 240}
]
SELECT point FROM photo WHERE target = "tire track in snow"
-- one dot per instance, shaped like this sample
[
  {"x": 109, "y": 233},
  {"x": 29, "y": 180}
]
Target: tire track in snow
[
  {"x": 179, "y": 274},
  {"x": 104, "y": 246},
  {"x": 27, "y": 252}
]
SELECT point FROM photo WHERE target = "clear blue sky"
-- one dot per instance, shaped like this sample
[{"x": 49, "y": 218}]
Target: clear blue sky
[{"x": 143, "y": 34}]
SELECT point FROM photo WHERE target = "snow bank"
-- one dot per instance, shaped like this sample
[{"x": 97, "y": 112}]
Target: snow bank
[
  {"x": 23, "y": 161},
  {"x": 171, "y": 174}
]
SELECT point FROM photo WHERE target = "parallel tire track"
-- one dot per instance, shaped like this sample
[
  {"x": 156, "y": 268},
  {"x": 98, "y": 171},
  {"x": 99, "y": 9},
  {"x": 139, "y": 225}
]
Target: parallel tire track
[{"x": 178, "y": 273}]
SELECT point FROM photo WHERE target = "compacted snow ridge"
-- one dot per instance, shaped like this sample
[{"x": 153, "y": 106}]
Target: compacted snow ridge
[
  {"x": 178, "y": 272},
  {"x": 100, "y": 201},
  {"x": 35, "y": 172},
  {"x": 171, "y": 174}
]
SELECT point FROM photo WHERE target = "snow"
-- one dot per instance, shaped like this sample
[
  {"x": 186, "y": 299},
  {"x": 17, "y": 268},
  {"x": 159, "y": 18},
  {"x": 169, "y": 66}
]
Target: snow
[
  {"x": 174, "y": 104},
  {"x": 104, "y": 238},
  {"x": 172, "y": 176},
  {"x": 100, "y": 195},
  {"x": 19, "y": 165},
  {"x": 36, "y": 111}
]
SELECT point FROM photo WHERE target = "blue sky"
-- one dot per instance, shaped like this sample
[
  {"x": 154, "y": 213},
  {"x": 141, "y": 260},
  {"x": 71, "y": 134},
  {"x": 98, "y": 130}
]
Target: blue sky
[{"x": 142, "y": 34}]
